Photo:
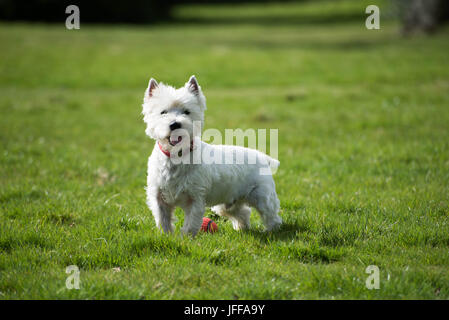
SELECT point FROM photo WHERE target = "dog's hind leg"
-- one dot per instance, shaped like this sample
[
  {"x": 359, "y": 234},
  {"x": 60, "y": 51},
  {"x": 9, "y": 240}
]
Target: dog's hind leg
[
  {"x": 265, "y": 200},
  {"x": 237, "y": 213}
]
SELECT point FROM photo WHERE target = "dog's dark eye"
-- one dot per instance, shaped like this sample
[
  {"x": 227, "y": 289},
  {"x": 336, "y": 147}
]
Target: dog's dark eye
[
  {"x": 164, "y": 112},
  {"x": 187, "y": 112}
]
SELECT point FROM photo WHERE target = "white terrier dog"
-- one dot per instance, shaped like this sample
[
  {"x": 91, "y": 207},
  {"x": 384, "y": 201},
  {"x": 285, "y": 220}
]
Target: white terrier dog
[{"x": 175, "y": 179}]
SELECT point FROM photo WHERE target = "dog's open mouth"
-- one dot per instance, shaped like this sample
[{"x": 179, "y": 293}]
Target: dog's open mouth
[{"x": 174, "y": 141}]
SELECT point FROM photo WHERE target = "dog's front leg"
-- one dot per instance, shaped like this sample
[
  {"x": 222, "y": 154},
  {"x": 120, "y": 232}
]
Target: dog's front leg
[
  {"x": 162, "y": 212},
  {"x": 193, "y": 216}
]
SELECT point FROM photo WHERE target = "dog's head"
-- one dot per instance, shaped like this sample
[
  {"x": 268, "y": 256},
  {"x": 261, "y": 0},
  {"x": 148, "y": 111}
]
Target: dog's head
[{"x": 171, "y": 114}]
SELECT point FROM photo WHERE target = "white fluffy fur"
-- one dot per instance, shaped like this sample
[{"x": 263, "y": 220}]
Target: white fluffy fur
[{"x": 230, "y": 188}]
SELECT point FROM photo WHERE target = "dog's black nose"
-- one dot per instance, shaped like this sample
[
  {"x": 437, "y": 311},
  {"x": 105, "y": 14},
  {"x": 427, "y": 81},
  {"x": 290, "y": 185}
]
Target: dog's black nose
[{"x": 174, "y": 125}]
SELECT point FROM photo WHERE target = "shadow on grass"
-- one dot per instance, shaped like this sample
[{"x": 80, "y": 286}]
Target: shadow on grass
[
  {"x": 355, "y": 44},
  {"x": 274, "y": 20},
  {"x": 288, "y": 248},
  {"x": 287, "y": 232},
  {"x": 296, "y": 240},
  {"x": 22, "y": 196},
  {"x": 21, "y": 240}
]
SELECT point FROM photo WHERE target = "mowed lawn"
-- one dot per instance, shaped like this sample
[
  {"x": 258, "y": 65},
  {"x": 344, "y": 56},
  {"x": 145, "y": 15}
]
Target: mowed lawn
[{"x": 363, "y": 119}]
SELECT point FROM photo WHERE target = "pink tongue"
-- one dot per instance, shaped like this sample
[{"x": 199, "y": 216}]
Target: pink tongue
[{"x": 174, "y": 142}]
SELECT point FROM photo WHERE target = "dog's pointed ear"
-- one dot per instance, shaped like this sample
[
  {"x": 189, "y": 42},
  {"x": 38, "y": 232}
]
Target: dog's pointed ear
[
  {"x": 193, "y": 86},
  {"x": 151, "y": 86}
]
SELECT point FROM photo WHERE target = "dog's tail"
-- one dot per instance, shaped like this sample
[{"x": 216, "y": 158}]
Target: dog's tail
[
  {"x": 272, "y": 167},
  {"x": 273, "y": 163}
]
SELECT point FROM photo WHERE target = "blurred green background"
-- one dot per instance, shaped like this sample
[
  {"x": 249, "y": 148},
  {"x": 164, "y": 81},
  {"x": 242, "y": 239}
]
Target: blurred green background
[{"x": 363, "y": 144}]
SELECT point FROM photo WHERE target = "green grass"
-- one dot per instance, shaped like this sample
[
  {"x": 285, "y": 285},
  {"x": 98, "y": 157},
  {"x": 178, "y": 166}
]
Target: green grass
[{"x": 363, "y": 143}]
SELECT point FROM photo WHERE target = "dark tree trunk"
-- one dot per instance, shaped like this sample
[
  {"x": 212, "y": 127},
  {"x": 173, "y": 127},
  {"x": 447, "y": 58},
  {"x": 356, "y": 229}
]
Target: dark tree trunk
[{"x": 423, "y": 15}]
